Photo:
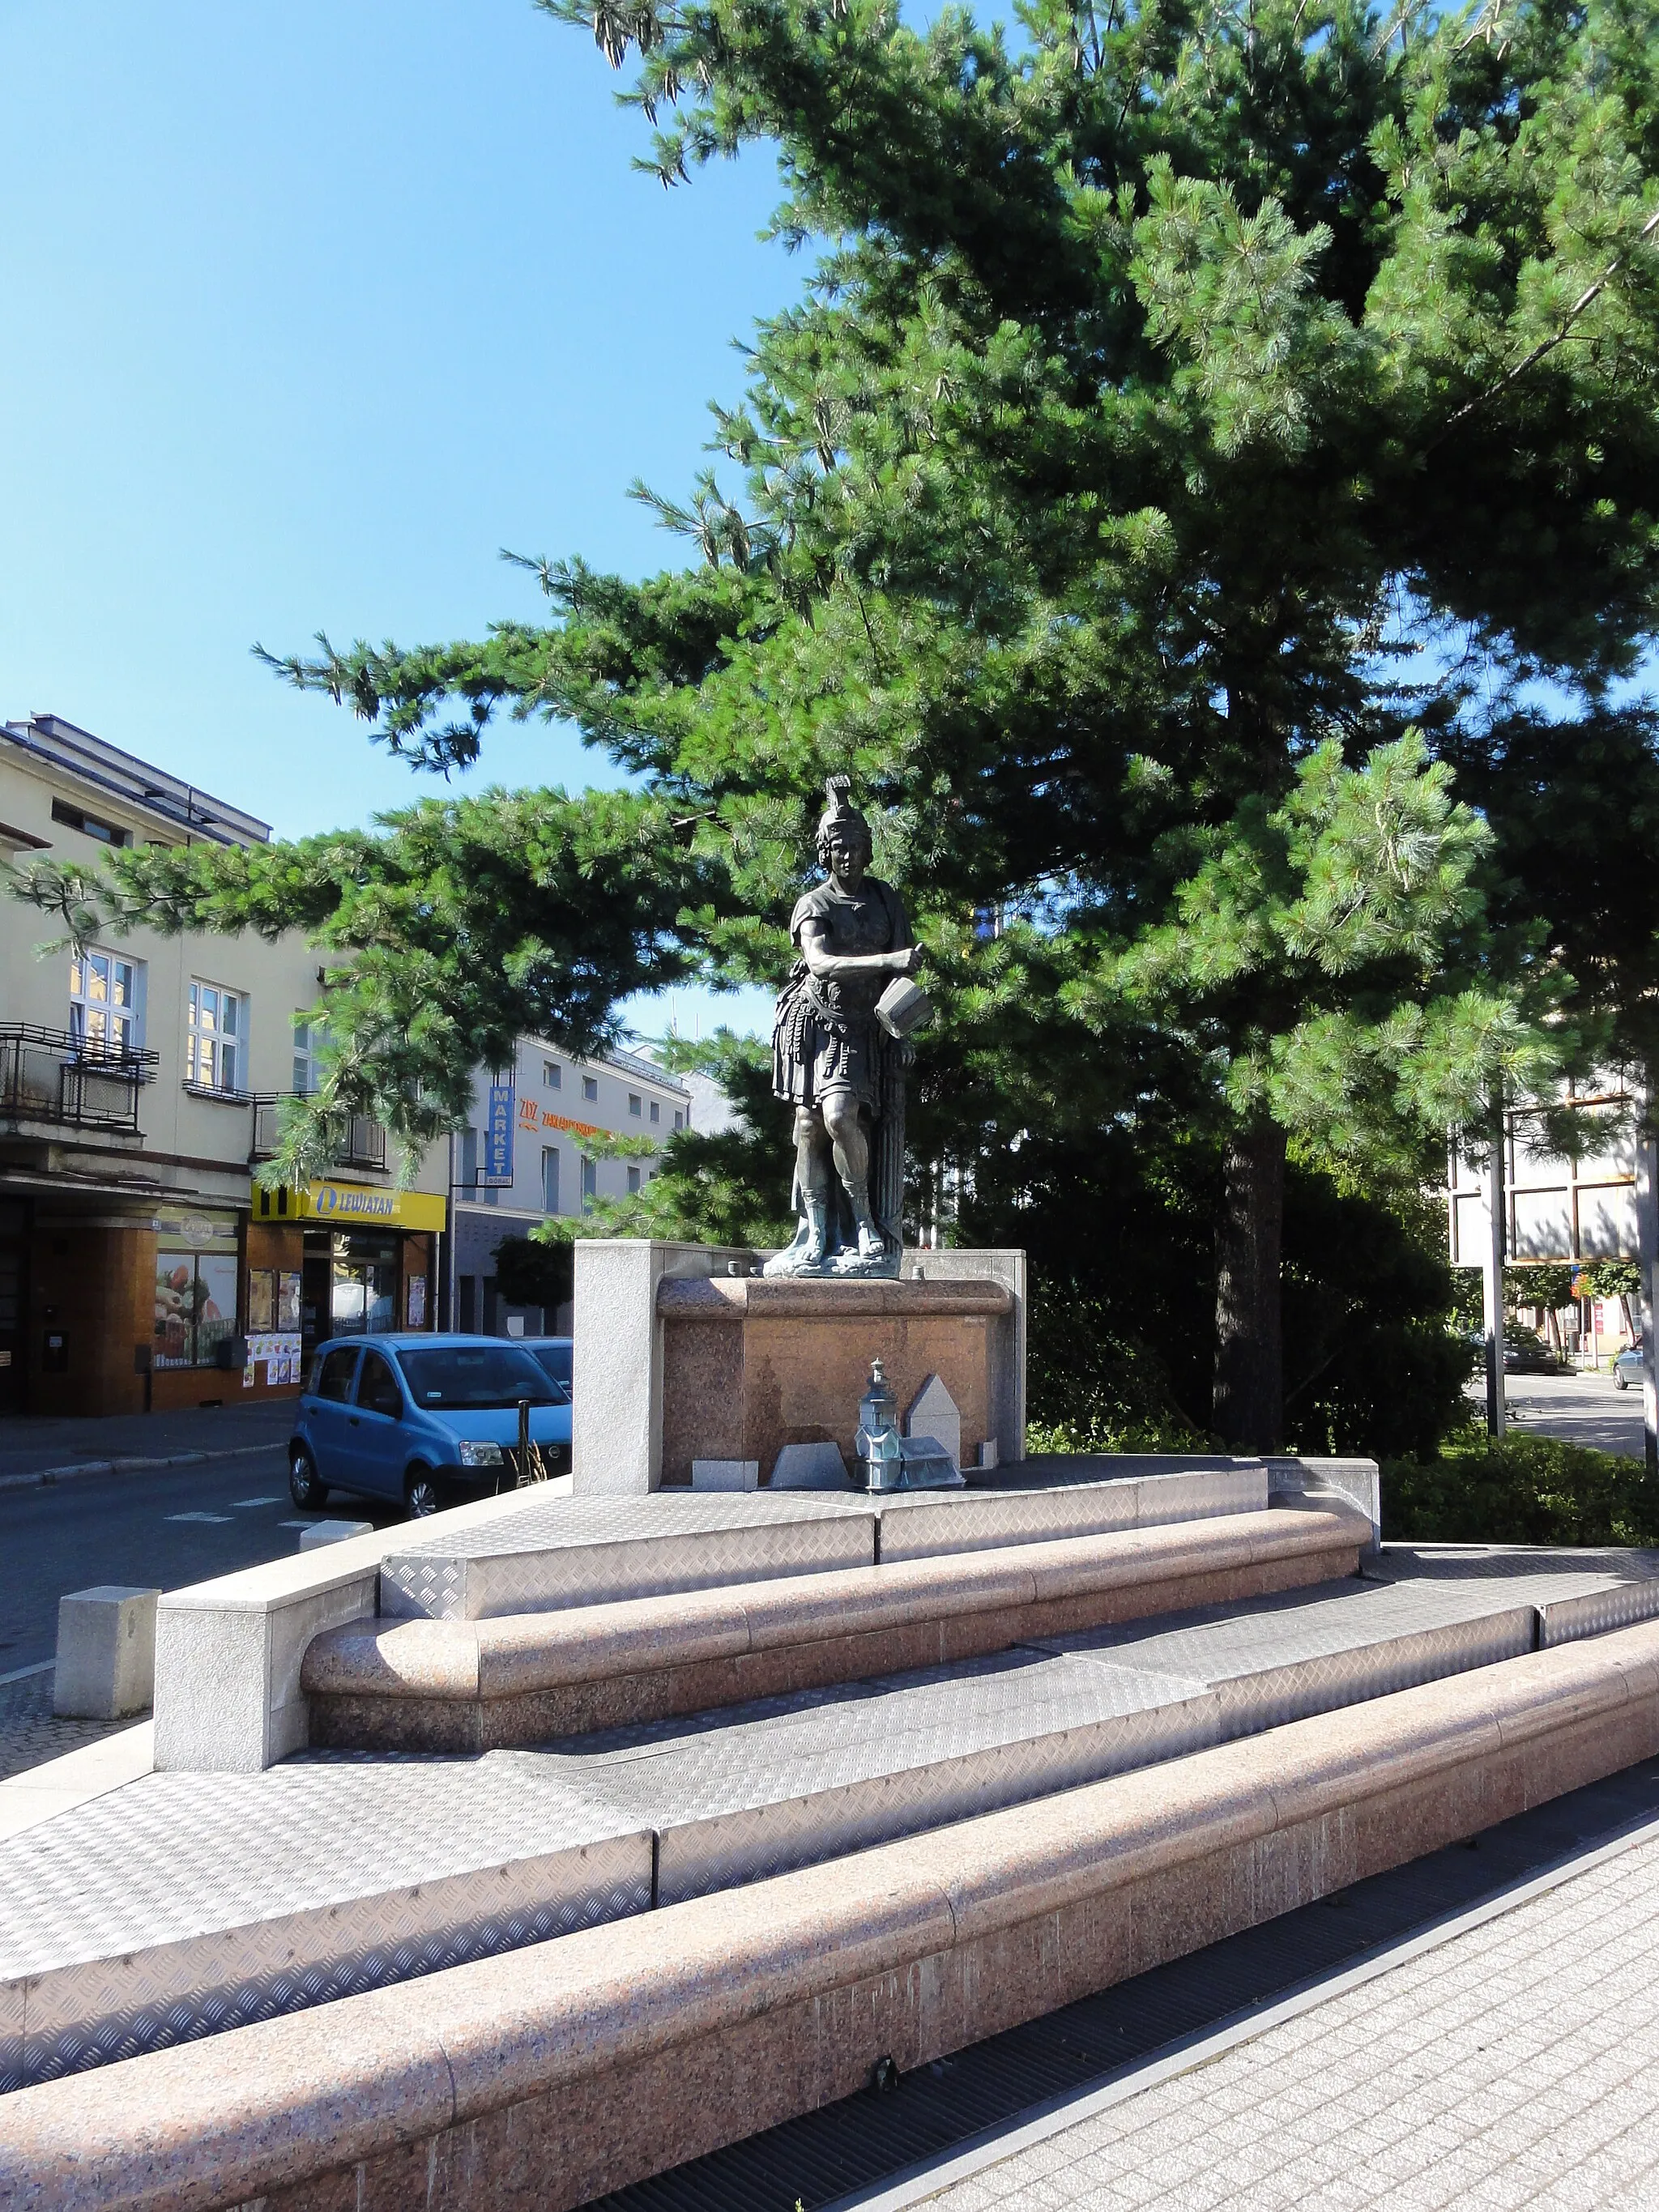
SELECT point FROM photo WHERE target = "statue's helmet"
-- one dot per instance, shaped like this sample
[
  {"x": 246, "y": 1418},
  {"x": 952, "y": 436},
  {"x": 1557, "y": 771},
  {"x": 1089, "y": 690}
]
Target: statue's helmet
[{"x": 840, "y": 814}]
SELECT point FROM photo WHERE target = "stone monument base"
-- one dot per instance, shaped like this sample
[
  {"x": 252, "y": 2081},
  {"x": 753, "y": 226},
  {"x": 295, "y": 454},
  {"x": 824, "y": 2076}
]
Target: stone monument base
[{"x": 686, "y": 1352}]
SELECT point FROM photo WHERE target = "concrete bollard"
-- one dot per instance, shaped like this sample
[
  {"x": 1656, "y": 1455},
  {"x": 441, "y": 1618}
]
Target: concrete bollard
[
  {"x": 332, "y": 1532},
  {"x": 106, "y": 1653}
]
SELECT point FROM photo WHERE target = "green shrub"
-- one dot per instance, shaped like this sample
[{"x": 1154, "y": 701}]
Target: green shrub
[
  {"x": 1528, "y": 1490},
  {"x": 1113, "y": 1432}
]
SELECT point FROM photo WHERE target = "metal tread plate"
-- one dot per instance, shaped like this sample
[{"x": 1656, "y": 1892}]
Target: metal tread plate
[{"x": 183, "y": 1904}]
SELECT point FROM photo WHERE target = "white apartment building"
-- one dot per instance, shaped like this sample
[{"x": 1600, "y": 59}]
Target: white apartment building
[{"x": 529, "y": 1154}]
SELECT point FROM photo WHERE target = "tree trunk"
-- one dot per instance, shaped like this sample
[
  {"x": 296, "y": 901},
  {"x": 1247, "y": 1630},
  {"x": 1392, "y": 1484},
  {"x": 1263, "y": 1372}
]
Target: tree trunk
[{"x": 1249, "y": 1405}]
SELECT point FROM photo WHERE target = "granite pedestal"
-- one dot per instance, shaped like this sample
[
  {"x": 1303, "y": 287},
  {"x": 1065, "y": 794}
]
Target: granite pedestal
[{"x": 685, "y": 1353}]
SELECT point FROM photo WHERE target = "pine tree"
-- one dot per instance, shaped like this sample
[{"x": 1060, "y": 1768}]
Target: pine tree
[{"x": 1177, "y": 387}]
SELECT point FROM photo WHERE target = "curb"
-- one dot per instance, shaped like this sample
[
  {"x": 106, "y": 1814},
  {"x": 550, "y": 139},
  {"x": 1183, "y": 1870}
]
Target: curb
[{"x": 133, "y": 1464}]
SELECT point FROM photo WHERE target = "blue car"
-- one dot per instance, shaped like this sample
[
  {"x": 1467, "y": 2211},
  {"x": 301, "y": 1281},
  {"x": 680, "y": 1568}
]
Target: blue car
[{"x": 427, "y": 1421}]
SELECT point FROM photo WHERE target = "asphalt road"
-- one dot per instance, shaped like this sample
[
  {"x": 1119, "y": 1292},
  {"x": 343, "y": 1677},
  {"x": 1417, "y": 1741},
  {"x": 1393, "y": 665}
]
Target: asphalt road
[
  {"x": 155, "y": 1529},
  {"x": 1582, "y": 1409}
]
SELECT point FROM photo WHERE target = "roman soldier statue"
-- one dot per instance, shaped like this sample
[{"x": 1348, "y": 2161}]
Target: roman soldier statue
[{"x": 838, "y": 1053}]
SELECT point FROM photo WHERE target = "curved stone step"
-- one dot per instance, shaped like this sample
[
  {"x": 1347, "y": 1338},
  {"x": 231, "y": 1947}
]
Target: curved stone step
[
  {"x": 569, "y": 2068},
  {"x": 186, "y": 1905},
  {"x": 464, "y": 1685}
]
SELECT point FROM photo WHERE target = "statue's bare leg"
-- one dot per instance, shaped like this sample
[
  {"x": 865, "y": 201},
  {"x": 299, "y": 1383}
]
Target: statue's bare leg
[
  {"x": 813, "y": 1173},
  {"x": 850, "y": 1147}
]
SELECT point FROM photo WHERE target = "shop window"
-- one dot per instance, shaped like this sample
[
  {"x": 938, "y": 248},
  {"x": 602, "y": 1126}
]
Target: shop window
[
  {"x": 656, "y": 1111},
  {"x": 363, "y": 1285},
  {"x": 415, "y": 1301},
  {"x": 634, "y": 1104},
  {"x": 104, "y": 991},
  {"x": 590, "y": 1086},
  {"x": 216, "y": 1038},
  {"x": 632, "y": 1183},
  {"x": 195, "y": 1307},
  {"x": 552, "y": 1075},
  {"x": 590, "y": 1183},
  {"x": 549, "y": 1179},
  {"x": 273, "y": 1301}
]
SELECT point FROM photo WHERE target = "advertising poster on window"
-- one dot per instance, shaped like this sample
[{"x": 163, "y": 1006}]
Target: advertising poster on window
[
  {"x": 195, "y": 1307},
  {"x": 175, "y": 1310},
  {"x": 417, "y": 1302},
  {"x": 496, "y": 1166},
  {"x": 261, "y": 1301}
]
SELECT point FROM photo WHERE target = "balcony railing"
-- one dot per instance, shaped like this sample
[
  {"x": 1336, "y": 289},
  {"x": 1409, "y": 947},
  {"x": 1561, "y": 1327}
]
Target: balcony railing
[
  {"x": 364, "y": 1145},
  {"x": 50, "y": 1075}
]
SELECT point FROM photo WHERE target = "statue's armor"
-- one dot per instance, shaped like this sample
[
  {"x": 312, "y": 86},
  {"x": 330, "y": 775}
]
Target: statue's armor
[{"x": 825, "y": 1036}]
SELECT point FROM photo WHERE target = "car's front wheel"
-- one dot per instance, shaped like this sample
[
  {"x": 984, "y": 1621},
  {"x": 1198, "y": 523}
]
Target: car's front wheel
[
  {"x": 420, "y": 1495},
  {"x": 305, "y": 1486},
  {"x": 1620, "y": 1382}
]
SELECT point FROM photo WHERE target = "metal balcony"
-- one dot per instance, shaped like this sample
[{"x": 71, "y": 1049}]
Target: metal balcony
[
  {"x": 51, "y": 1075},
  {"x": 364, "y": 1145}
]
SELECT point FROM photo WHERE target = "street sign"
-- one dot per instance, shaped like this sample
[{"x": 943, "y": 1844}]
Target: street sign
[{"x": 496, "y": 1166}]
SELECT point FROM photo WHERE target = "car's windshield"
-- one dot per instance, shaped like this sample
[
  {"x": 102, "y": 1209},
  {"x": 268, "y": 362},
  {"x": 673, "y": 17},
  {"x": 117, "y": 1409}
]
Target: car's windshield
[{"x": 473, "y": 1375}]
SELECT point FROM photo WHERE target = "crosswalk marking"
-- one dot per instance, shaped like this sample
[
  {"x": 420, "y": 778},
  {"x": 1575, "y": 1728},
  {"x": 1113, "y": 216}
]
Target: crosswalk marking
[
  {"x": 236, "y": 1504},
  {"x": 197, "y": 1516}
]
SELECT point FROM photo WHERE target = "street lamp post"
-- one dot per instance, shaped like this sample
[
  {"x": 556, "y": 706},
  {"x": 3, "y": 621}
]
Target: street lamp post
[{"x": 1491, "y": 1275}]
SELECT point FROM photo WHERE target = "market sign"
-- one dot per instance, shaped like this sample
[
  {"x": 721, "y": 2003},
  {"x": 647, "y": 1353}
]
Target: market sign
[
  {"x": 495, "y": 1168},
  {"x": 350, "y": 1203}
]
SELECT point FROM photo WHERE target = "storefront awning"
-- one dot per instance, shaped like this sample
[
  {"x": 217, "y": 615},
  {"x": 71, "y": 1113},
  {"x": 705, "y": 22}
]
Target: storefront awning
[{"x": 352, "y": 1204}]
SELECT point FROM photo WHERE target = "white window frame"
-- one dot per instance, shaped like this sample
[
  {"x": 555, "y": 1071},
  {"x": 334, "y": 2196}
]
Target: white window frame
[
  {"x": 590, "y": 1087},
  {"x": 215, "y": 1050},
  {"x": 308, "y": 1053},
  {"x": 552, "y": 1075},
  {"x": 636, "y": 1180},
  {"x": 97, "y": 1022}
]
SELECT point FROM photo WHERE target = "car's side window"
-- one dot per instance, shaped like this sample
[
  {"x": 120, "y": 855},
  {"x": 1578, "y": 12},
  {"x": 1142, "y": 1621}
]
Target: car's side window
[
  {"x": 334, "y": 1374},
  {"x": 377, "y": 1387}
]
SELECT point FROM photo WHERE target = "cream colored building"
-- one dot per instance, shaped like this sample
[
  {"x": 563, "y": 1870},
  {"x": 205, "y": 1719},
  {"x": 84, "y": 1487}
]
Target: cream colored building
[{"x": 139, "y": 1087}]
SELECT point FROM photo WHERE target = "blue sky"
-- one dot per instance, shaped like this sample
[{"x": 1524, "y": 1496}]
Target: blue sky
[{"x": 309, "y": 310}]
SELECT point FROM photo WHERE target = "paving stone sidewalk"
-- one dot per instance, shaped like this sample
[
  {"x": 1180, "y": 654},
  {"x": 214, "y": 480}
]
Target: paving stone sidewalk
[
  {"x": 31, "y": 1443},
  {"x": 31, "y": 1733},
  {"x": 1514, "y": 2065}
]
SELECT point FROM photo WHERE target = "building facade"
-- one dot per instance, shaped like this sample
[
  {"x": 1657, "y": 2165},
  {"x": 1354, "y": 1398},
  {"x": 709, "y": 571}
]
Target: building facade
[
  {"x": 1553, "y": 1207},
  {"x": 529, "y": 1153},
  {"x": 140, "y": 1085}
]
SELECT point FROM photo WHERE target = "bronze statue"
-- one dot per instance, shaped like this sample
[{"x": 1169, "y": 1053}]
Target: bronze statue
[{"x": 838, "y": 1052}]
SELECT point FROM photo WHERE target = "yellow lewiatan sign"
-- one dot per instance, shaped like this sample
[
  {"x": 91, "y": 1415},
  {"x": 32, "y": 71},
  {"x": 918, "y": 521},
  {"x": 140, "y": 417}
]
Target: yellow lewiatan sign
[{"x": 351, "y": 1203}]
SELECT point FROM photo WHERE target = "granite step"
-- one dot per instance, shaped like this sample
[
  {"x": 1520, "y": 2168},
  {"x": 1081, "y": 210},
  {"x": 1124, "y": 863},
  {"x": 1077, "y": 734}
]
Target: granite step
[
  {"x": 464, "y": 1685},
  {"x": 599, "y": 1550},
  {"x": 180, "y": 1906}
]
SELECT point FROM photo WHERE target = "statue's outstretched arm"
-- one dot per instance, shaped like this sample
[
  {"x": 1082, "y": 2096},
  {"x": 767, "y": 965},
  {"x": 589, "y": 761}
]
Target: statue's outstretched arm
[{"x": 827, "y": 965}]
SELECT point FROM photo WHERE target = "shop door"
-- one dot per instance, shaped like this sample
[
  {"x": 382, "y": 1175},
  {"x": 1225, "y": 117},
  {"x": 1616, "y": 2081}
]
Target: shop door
[{"x": 12, "y": 1248}]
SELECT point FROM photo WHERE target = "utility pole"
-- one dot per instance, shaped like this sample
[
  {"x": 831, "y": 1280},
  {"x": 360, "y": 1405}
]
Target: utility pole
[
  {"x": 1492, "y": 1274},
  {"x": 1647, "y": 1246}
]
